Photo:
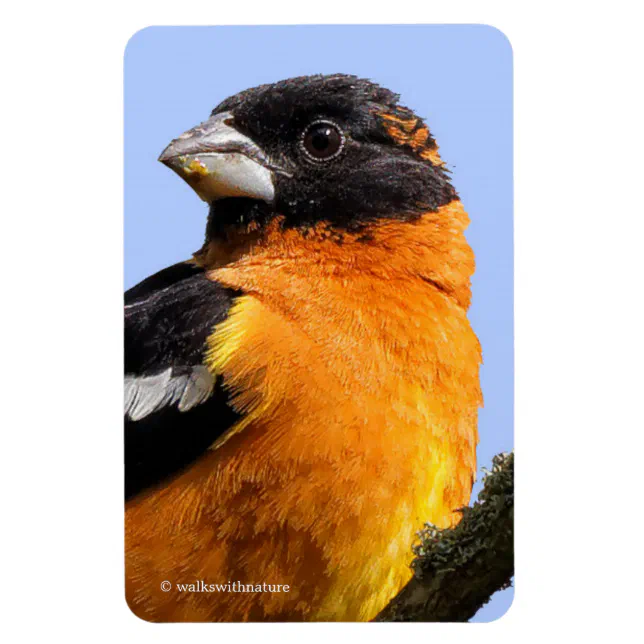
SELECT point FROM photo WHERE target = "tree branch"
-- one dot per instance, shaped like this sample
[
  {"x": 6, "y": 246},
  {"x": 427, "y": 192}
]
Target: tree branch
[{"x": 457, "y": 570}]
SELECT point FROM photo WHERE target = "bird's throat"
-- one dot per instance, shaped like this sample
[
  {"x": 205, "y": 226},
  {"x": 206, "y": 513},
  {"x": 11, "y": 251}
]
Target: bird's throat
[{"x": 431, "y": 248}]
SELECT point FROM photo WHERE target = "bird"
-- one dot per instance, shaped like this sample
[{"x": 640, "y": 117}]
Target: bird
[{"x": 302, "y": 394}]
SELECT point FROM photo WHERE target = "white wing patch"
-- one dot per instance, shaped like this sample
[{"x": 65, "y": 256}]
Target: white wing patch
[{"x": 147, "y": 394}]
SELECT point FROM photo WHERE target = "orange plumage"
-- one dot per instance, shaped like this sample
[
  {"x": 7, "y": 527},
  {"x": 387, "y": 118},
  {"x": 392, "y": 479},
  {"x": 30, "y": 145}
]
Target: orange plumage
[{"x": 355, "y": 368}]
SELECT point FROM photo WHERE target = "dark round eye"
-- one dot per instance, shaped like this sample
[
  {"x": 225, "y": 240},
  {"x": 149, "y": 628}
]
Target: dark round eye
[{"x": 322, "y": 141}]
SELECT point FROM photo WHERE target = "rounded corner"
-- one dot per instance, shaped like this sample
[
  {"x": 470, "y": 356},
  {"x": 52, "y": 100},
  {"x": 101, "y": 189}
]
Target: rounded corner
[
  {"x": 498, "y": 32},
  {"x": 134, "y": 37},
  {"x": 507, "y": 610},
  {"x": 134, "y": 611}
]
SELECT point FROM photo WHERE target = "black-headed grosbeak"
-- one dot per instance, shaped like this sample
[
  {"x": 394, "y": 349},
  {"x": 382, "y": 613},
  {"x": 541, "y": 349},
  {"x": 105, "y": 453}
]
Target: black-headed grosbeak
[{"x": 302, "y": 395}]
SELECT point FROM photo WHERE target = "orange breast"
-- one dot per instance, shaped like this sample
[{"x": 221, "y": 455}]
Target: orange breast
[{"x": 357, "y": 373}]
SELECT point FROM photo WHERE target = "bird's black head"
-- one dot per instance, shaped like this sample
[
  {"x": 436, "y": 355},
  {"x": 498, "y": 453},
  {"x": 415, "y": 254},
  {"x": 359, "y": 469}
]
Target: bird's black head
[{"x": 318, "y": 148}]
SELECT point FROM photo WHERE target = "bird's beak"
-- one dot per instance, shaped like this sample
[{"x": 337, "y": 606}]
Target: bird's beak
[{"x": 218, "y": 161}]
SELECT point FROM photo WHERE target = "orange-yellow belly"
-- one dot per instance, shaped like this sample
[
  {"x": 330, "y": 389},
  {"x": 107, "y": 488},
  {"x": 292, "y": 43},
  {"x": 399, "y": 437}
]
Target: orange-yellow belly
[
  {"x": 342, "y": 454},
  {"x": 355, "y": 370}
]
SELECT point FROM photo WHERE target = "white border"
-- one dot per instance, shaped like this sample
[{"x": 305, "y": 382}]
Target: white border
[{"x": 578, "y": 332}]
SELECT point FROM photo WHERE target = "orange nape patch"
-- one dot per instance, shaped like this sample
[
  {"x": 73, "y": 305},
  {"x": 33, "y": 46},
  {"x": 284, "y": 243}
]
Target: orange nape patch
[
  {"x": 356, "y": 372},
  {"x": 407, "y": 129}
]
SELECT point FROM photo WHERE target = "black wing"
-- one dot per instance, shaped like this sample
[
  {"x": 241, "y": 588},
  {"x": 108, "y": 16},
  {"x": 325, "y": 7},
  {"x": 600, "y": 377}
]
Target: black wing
[{"x": 174, "y": 409}]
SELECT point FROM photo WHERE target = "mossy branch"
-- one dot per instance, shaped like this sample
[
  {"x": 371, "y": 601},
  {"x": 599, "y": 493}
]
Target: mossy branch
[{"x": 457, "y": 570}]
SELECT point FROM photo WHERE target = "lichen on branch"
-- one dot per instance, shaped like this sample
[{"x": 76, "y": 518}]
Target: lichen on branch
[{"x": 457, "y": 570}]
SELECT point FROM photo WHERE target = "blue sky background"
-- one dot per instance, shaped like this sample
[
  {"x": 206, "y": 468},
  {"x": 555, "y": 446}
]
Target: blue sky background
[{"x": 459, "y": 77}]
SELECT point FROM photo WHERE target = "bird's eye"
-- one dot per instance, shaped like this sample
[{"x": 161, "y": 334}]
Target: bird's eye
[{"x": 322, "y": 141}]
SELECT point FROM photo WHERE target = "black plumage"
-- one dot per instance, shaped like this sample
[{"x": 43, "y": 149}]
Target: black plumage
[
  {"x": 375, "y": 177},
  {"x": 168, "y": 318}
]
